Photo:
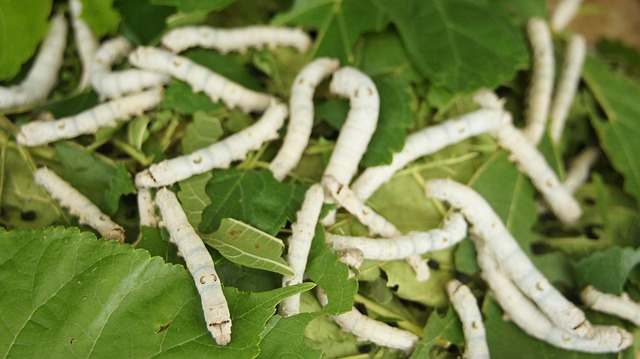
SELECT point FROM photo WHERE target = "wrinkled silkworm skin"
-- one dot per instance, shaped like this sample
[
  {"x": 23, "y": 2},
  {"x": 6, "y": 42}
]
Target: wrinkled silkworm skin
[
  {"x": 620, "y": 306},
  {"x": 541, "y": 85},
  {"x": 200, "y": 78},
  {"x": 504, "y": 248},
  {"x": 303, "y": 231},
  {"x": 217, "y": 155},
  {"x": 531, "y": 162},
  {"x": 377, "y": 224},
  {"x": 43, "y": 75},
  {"x": 403, "y": 246},
  {"x": 200, "y": 265},
  {"x": 107, "y": 114},
  {"x": 86, "y": 42},
  {"x": 78, "y": 205},
  {"x": 580, "y": 168},
  {"x": 525, "y": 314},
  {"x": 567, "y": 86},
  {"x": 235, "y": 39},
  {"x": 367, "y": 329},
  {"x": 146, "y": 208},
  {"x": 466, "y": 305},
  {"x": 111, "y": 84},
  {"x": 563, "y": 14},
  {"x": 301, "y": 115},
  {"x": 428, "y": 141}
]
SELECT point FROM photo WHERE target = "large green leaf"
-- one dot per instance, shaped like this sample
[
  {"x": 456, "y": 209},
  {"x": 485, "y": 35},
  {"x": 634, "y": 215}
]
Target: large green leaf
[
  {"x": 101, "y": 16},
  {"x": 179, "y": 97},
  {"x": 461, "y": 45},
  {"x": 80, "y": 295},
  {"x": 202, "y": 132},
  {"x": 193, "y": 197},
  {"x": 440, "y": 329},
  {"x": 143, "y": 22},
  {"x": 618, "y": 96},
  {"x": 248, "y": 246},
  {"x": 21, "y": 30},
  {"x": 251, "y": 196},
  {"x": 607, "y": 270},
  {"x": 196, "y": 5},
  {"x": 284, "y": 338},
  {"x": 338, "y": 24}
]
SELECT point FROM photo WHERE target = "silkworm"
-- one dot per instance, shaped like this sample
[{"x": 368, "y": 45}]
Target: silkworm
[
  {"x": 78, "y": 204},
  {"x": 235, "y": 39},
  {"x": 301, "y": 118},
  {"x": 508, "y": 253},
  {"x": 200, "y": 78},
  {"x": 217, "y": 155},
  {"x": 541, "y": 85},
  {"x": 530, "y": 319},
  {"x": 303, "y": 231},
  {"x": 466, "y": 305},
  {"x": 86, "y": 42},
  {"x": 567, "y": 86},
  {"x": 403, "y": 246},
  {"x": 107, "y": 114},
  {"x": 377, "y": 224},
  {"x": 580, "y": 168},
  {"x": 620, "y": 306},
  {"x": 365, "y": 328},
  {"x": 110, "y": 83},
  {"x": 427, "y": 141},
  {"x": 146, "y": 208},
  {"x": 563, "y": 14},
  {"x": 200, "y": 265},
  {"x": 532, "y": 163},
  {"x": 43, "y": 75}
]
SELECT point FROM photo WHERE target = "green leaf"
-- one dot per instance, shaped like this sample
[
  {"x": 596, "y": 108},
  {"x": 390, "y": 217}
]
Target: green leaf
[
  {"x": 95, "y": 176},
  {"x": 143, "y": 22},
  {"x": 156, "y": 241},
  {"x": 395, "y": 61},
  {"x": 196, "y": 5},
  {"x": 470, "y": 44},
  {"x": 338, "y": 24},
  {"x": 100, "y": 15},
  {"x": 202, "y": 132},
  {"x": 70, "y": 106},
  {"x": 21, "y": 30},
  {"x": 78, "y": 294},
  {"x": 251, "y": 196},
  {"x": 229, "y": 66},
  {"x": 137, "y": 131},
  {"x": 193, "y": 197},
  {"x": 618, "y": 135},
  {"x": 607, "y": 270},
  {"x": 285, "y": 338},
  {"x": 245, "y": 245},
  {"x": 440, "y": 330},
  {"x": 179, "y": 97}
]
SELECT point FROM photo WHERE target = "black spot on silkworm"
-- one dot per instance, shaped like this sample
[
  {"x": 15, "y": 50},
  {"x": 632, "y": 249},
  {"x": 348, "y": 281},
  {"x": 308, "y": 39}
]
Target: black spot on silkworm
[
  {"x": 28, "y": 216},
  {"x": 363, "y": 349},
  {"x": 361, "y": 308},
  {"x": 591, "y": 232},
  {"x": 163, "y": 328},
  {"x": 462, "y": 277},
  {"x": 433, "y": 264},
  {"x": 217, "y": 324}
]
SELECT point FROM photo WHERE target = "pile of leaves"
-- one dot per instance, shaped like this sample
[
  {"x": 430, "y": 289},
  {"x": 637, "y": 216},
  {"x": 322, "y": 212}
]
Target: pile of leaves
[{"x": 64, "y": 293}]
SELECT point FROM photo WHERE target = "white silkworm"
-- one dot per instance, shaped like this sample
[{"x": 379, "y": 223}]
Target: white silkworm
[
  {"x": 107, "y": 114},
  {"x": 217, "y": 155},
  {"x": 236, "y": 39},
  {"x": 303, "y": 231},
  {"x": 564, "y": 13},
  {"x": 78, "y": 205},
  {"x": 86, "y": 42},
  {"x": 365, "y": 328},
  {"x": 200, "y": 78},
  {"x": 403, "y": 246},
  {"x": 541, "y": 85},
  {"x": 301, "y": 115},
  {"x": 146, "y": 208},
  {"x": 511, "y": 257},
  {"x": 110, "y": 83},
  {"x": 580, "y": 168},
  {"x": 567, "y": 86},
  {"x": 531, "y": 162},
  {"x": 200, "y": 265},
  {"x": 531, "y": 320},
  {"x": 427, "y": 141},
  {"x": 620, "y": 306},
  {"x": 43, "y": 75},
  {"x": 466, "y": 305}
]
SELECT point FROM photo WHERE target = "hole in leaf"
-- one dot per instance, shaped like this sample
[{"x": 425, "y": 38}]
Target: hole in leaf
[
  {"x": 364, "y": 348},
  {"x": 163, "y": 327},
  {"x": 28, "y": 216},
  {"x": 433, "y": 264}
]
